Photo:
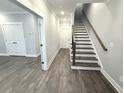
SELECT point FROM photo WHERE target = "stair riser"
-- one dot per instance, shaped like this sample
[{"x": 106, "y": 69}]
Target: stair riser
[
  {"x": 84, "y": 55},
  {"x": 84, "y": 40},
  {"x": 83, "y": 45},
  {"x": 85, "y": 50},
  {"x": 86, "y": 61},
  {"x": 80, "y": 31},
  {"x": 85, "y": 68}
]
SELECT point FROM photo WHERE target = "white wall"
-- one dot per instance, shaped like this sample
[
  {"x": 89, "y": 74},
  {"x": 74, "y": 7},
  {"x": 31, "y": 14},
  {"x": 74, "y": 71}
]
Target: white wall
[
  {"x": 65, "y": 33},
  {"x": 50, "y": 26},
  {"x": 29, "y": 28},
  {"x": 107, "y": 21}
]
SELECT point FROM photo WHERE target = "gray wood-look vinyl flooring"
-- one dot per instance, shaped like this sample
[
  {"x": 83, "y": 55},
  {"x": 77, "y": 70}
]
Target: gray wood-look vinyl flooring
[{"x": 24, "y": 75}]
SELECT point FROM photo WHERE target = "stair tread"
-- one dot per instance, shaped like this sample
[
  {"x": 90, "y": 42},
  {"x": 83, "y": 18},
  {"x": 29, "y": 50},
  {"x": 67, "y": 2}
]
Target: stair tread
[
  {"x": 87, "y": 64},
  {"x": 80, "y": 32},
  {"x": 82, "y": 37},
  {"x": 82, "y": 52},
  {"x": 84, "y": 48},
  {"x": 78, "y": 26},
  {"x": 85, "y": 58},
  {"x": 83, "y": 40},
  {"x": 90, "y": 48},
  {"x": 83, "y": 44},
  {"x": 77, "y": 29}
]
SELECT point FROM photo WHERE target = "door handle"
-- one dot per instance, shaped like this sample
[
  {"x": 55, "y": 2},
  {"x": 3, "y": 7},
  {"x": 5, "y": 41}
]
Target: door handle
[{"x": 14, "y": 42}]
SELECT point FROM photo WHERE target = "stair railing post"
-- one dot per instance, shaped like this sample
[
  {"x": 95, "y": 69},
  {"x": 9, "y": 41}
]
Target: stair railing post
[
  {"x": 74, "y": 50},
  {"x": 73, "y": 46}
]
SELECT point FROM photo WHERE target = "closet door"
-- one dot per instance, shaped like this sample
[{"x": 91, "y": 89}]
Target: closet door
[{"x": 14, "y": 38}]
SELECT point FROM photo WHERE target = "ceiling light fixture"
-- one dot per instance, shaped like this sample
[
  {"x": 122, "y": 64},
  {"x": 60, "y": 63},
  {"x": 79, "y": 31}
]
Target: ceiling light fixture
[
  {"x": 64, "y": 19},
  {"x": 62, "y": 12},
  {"x": 78, "y": 4}
]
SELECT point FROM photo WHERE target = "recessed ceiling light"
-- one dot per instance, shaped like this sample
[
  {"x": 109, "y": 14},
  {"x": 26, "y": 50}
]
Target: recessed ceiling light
[
  {"x": 64, "y": 19},
  {"x": 62, "y": 12},
  {"x": 78, "y": 4}
]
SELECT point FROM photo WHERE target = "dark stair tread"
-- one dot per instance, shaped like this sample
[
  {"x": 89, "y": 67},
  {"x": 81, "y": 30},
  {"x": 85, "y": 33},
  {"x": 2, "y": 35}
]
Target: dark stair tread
[
  {"x": 90, "y": 48},
  {"x": 79, "y": 28},
  {"x": 87, "y": 64},
  {"x": 80, "y": 34},
  {"x": 83, "y": 44},
  {"x": 81, "y": 37},
  {"x": 84, "y": 52},
  {"x": 86, "y": 58},
  {"x": 83, "y": 40},
  {"x": 84, "y": 48}
]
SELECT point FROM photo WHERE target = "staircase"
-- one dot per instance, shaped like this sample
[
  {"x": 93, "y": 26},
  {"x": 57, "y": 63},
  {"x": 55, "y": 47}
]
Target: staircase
[{"x": 83, "y": 54}]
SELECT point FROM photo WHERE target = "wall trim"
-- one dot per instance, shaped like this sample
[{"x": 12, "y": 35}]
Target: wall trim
[
  {"x": 52, "y": 59},
  {"x": 15, "y": 12},
  {"x": 4, "y": 54},
  {"x": 33, "y": 55},
  {"x": 112, "y": 81}
]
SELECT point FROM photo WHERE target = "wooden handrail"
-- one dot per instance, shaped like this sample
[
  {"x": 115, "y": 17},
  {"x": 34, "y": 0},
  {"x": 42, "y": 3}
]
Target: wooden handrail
[{"x": 97, "y": 36}]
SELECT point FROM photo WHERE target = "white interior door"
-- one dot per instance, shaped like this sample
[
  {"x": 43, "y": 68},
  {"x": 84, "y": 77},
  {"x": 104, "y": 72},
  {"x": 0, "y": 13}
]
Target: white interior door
[{"x": 14, "y": 37}]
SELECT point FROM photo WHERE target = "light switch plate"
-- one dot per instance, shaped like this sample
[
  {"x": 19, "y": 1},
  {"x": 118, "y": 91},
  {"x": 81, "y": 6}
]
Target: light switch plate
[
  {"x": 121, "y": 78},
  {"x": 111, "y": 44}
]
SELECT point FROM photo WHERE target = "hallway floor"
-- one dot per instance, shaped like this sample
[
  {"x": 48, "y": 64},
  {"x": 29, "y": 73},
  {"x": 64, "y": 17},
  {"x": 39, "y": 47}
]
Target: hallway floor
[{"x": 24, "y": 75}]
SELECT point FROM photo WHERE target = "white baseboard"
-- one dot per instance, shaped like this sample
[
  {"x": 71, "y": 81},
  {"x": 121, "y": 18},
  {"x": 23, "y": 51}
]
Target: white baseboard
[
  {"x": 4, "y": 54},
  {"x": 52, "y": 59},
  {"x": 114, "y": 84},
  {"x": 32, "y": 55}
]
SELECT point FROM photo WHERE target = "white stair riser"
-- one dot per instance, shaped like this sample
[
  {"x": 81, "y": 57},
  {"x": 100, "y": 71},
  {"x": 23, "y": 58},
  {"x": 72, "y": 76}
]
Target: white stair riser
[
  {"x": 82, "y": 38},
  {"x": 85, "y": 68},
  {"x": 84, "y": 55},
  {"x": 85, "y": 61},
  {"x": 87, "y": 50},
  {"x": 84, "y": 45}
]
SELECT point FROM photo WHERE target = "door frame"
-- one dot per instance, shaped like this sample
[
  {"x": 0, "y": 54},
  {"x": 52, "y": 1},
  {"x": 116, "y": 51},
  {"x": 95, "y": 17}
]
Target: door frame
[
  {"x": 42, "y": 40},
  {"x": 20, "y": 23}
]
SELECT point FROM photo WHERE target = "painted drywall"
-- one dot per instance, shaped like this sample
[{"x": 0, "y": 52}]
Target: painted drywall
[
  {"x": 65, "y": 33},
  {"x": 78, "y": 12},
  {"x": 36, "y": 34},
  {"x": 50, "y": 26},
  {"x": 29, "y": 28},
  {"x": 2, "y": 43},
  {"x": 106, "y": 18}
]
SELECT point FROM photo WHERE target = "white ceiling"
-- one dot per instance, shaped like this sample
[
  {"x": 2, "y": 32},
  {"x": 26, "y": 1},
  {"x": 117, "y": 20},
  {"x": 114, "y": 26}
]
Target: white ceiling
[
  {"x": 7, "y": 6},
  {"x": 68, "y": 6}
]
